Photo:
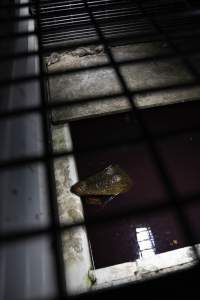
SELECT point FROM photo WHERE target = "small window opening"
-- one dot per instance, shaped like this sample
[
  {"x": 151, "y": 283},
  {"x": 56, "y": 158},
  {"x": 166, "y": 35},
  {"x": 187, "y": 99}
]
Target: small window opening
[{"x": 146, "y": 246}]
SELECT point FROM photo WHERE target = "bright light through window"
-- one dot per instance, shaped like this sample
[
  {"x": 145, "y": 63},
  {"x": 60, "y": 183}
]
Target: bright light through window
[{"x": 145, "y": 241}]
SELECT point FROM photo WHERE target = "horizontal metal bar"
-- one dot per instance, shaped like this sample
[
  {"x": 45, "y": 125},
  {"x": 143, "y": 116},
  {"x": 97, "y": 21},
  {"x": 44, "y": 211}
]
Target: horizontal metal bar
[
  {"x": 59, "y": 104},
  {"x": 34, "y": 159},
  {"x": 25, "y": 78},
  {"x": 19, "y": 235},
  {"x": 23, "y": 34}
]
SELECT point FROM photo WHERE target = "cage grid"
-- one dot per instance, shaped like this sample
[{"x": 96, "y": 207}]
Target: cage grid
[{"x": 154, "y": 24}]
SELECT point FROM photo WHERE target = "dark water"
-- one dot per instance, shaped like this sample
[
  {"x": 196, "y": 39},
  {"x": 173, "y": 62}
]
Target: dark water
[{"x": 118, "y": 241}]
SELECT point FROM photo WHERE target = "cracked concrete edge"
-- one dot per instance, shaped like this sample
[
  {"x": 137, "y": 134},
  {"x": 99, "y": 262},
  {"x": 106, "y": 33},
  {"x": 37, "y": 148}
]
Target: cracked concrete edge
[
  {"x": 76, "y": 251},
  {"x": 144, "y": 269}
]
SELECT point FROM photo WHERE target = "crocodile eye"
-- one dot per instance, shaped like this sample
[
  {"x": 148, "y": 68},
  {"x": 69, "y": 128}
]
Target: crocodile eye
[
  {"x": 83, "y": 186},
  {"x": 109, "y": 170},
  {"x": 116, "y": 178}
]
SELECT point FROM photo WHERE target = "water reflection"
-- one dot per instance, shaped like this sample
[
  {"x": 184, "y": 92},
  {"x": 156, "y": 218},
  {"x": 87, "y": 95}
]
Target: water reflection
[{"x": 145, "y": 240}]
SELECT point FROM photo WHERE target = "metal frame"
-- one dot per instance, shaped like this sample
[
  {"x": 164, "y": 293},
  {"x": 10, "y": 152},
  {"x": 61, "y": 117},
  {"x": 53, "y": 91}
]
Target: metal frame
[{"x": 54, "y": 228}]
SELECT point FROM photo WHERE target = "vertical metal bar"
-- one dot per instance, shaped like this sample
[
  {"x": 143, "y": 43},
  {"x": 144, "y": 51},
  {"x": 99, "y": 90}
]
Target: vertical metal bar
[{"x": 56, "y": 235}]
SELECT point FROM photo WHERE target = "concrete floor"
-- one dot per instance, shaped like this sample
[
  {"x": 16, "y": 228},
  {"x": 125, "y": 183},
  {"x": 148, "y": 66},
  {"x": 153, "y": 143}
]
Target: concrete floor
[{"x": 103, "y": 81}]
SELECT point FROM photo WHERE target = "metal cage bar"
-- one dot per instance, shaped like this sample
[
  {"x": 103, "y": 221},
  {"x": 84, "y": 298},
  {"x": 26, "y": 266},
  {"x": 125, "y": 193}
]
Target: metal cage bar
[{"x": 147, "y": 11}]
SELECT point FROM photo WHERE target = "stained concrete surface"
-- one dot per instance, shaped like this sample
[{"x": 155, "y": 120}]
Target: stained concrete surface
[
  {"x": 74, "y": 240},
  {"x": 103, "y": 81}
]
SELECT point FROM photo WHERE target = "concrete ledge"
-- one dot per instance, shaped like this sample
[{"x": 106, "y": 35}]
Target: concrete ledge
[
  {"x": 143, "y": 269},
  {"x": 75, "y": 243}
]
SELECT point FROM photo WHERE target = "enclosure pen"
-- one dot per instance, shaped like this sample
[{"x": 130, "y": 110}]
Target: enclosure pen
[{"x": 86, "y": 85}]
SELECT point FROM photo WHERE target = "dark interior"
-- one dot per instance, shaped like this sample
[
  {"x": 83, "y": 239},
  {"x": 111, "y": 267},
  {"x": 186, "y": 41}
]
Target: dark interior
[{"x": 180, "y": 153}]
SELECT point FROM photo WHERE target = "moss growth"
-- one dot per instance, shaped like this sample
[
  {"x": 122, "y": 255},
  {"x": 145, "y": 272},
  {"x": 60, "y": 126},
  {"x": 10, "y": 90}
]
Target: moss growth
[
  {"x": 58, "y": 138},
  {"x": 87, "y": 280}
]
